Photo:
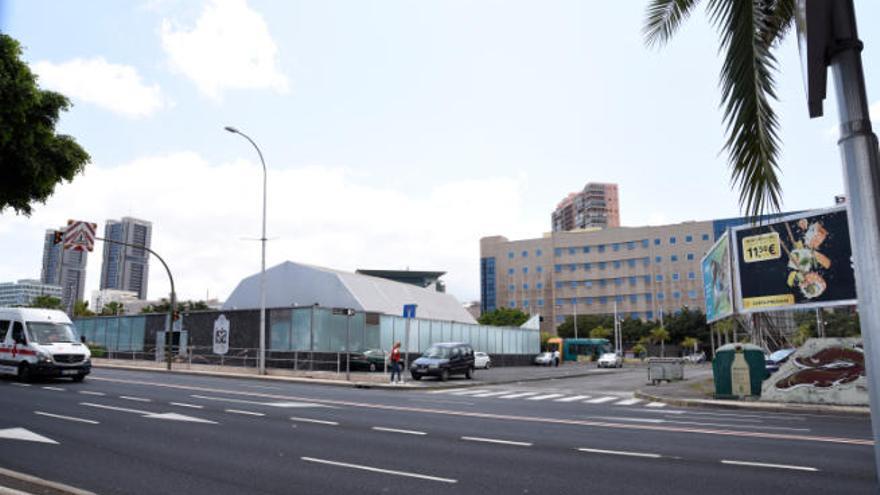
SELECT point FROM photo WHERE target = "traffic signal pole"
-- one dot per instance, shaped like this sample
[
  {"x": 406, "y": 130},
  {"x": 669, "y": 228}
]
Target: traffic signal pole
[{"x": 172, "y": 310}]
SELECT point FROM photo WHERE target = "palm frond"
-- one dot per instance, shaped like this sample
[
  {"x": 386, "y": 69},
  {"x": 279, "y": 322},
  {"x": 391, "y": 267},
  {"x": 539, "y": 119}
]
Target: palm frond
[
  {"x": 664, "y": 17},
  {"x": 747, "y": 88},
  {"x": 780, "y": 17}
]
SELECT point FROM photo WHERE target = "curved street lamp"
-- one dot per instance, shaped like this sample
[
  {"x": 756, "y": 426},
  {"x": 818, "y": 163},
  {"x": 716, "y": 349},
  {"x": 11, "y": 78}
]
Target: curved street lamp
[{"x": 262, "y": 356}]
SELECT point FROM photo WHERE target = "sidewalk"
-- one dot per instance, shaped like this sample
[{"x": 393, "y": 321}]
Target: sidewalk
[
  {"x": 363, "y": 379},
  {"x": 699, "y": 392}
]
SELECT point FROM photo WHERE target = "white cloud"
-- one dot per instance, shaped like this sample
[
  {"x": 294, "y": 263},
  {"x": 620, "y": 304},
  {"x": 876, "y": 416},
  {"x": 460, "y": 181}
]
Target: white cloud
[
  {"x": 115, "y": 87},
  {"x": 228, "y": 48},
  {"x": 318, "y": 214}
]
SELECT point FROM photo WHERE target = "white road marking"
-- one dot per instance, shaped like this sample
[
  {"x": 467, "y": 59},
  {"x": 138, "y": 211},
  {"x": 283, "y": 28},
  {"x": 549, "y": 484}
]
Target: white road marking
[
  {"x": 316, "y": 421},
  {"x": 20, "y": 384},
  {"x": 633, "y": 420},
  {"x": 114, "y": 408},
  {"x": 379, "y": 470},
  {"x": 621, "y": 452},
  {"x": 89, "y": 392},
  {"x": 273, "y": 404},
  {"x": 545, "y": 396},
  {"x": 655, "y": 404},
  {"x": 763, "y": 464},
  {"x": 136, "y": 399},
  {"x": 56, "y": 389},
  {"x": 469, "y": 392},
  {"x": 490, "y": 394},
  {"x": 69, "y": 418},
  {"x": 246, "y": 413},
  {"x": 573, "y": 398},
  {"x": 518, "y": 395},
  {"x": 395, "y": 430},
  {"x": 628, "y": 402},
  {"x": 184, "y": 404},
  {"x": 599, "y": 400},
  {"x": 179, "y": 417},
  {"x": 25, "y": 435},
  {"x": 496, "y": 440},
  {"x": 448, "y": 390}
]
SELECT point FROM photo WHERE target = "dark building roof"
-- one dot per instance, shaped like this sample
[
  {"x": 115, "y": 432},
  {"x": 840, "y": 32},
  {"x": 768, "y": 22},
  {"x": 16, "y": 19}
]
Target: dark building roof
[{"x": 418, "y": 278}]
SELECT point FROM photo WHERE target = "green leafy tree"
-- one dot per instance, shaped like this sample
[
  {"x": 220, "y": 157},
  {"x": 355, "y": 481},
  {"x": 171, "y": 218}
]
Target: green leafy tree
[
  {"x": 566, "y": 328},
  {"x": 639, "y": 351},
  {"x": 81, "y": 308},
  {"x": 112, "y": 308},
  {"x": 33, "y": 158},
  {"x": 164, "y": 306},
  {"x": 690, "y": 344},
  {"x": 46, "y": 302},
  {"x": 504, "y": 317},
  {"x": 749, "y": 32},
  {"x": 600, "y": 333},
  {"x": 660, "y": 335}
]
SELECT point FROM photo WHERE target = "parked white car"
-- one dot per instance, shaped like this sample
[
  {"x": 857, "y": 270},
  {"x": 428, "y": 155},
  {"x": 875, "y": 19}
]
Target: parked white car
[
  {"x": 610, "y": 360},
  {"x": 544, "y": 359},
  {"x": 482, "y": 360}
]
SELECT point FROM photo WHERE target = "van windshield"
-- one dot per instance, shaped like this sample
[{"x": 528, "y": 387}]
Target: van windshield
[
  {"x": 436, "y": 352},
  {"x": 50, "y": 333}
]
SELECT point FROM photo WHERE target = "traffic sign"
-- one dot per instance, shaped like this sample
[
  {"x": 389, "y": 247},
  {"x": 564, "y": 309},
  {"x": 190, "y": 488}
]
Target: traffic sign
[
  {"x": 409, "y": 310},
  {"x": 221, "y": 335},
  {"x": 79, "y": 235}
]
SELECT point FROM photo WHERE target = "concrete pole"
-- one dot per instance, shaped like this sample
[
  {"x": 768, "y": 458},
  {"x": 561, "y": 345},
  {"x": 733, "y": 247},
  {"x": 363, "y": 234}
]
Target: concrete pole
[{"x": 861, "y": 170}]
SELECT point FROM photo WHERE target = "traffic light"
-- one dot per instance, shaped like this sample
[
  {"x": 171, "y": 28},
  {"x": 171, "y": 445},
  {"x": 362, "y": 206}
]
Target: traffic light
[{"x": 59, "y": 236}]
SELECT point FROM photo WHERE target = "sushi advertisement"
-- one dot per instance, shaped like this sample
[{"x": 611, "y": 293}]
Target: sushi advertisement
[
  {"x": 717, "y": 281},
  {"x": 803, "y": 260}
]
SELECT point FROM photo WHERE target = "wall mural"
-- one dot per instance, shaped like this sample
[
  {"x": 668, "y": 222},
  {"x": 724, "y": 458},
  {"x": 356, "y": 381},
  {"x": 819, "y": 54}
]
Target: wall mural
[{"x": 822, "y": 371}]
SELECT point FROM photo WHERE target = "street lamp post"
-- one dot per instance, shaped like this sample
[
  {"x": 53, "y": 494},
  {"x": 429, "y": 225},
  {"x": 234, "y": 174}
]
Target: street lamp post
[{"x": 262, "y": 356}]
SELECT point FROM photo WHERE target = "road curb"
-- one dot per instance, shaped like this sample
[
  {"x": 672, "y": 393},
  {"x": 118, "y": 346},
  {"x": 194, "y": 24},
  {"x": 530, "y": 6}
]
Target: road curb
[
  {"x": 25, "y": 484},
  {"x": 340, "y": 383},
  {"x": 754, "y": 406}
]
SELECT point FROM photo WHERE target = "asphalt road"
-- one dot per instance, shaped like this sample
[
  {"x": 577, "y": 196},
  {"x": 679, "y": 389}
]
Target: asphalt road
[{"x": 146, "y": 432}]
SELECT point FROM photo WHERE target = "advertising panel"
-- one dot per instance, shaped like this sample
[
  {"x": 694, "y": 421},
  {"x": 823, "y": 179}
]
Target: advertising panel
[
  {"x": 804, "y": 260},
  {"x": 717, "y": 280}
]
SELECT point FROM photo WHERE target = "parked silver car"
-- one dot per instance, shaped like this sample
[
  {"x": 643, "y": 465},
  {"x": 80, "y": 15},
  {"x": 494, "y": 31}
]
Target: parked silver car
[{"x": 544, "y": 359}]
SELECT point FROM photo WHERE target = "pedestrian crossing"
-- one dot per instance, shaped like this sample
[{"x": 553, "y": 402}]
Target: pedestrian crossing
[{"x": 546, "y": 395}]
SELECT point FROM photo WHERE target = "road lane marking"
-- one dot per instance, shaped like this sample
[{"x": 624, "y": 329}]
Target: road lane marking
[
  {"x": 184, "y": 404},
  {"x": 56, "y": 389},
  {"x": 114, "y": 408},
  {"x": 20, "y": 384},
  {"x": 395, "y": 430},
  {"x": 545, "y": 396},
  {"x": 634, "y": 420},
  {"x": 68, "y": 418},
  {"x": 136, "y": 399},
  {"x": 496, "y": 440},
  {"x": 572, "y": 398},
  {"x": 655, "y": 404},
  {"x": 600, "y": 400},
  {"x": 621, "y": 452},
  {"x": 627, "y": 402},
  {"x": 379, "y": 470},
  {"x": 518, "y": 395},
  {"x": 469, "y": 392},
  {"x": 273, "y": 404},
  {"x": 766, "y": 465},
  {"x": 448, "y": 390},
  {"x": 316, "y": 421},
  {"x": 490, "y": 394},
  {"x": 89, "y": 392},
  {"x": 507, "y": 417},
  {"x": 246, "y": 413}
]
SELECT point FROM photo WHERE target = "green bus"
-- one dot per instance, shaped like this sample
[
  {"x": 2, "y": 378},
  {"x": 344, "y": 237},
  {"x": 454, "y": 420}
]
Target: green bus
[{"x": 570, "y": 349}]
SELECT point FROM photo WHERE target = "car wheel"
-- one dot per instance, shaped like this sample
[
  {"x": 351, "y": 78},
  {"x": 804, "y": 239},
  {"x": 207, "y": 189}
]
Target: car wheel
[
  {"x": 444, "y": 375},
  {"x": 469, "y": 373},
  {"x": 79, "y": 378},
  {"x": 488, "y": 365},
  {"x": 24, "y": 372},
  {"x": 417, "y": 377},
  {"x": 372, "y": 366}
]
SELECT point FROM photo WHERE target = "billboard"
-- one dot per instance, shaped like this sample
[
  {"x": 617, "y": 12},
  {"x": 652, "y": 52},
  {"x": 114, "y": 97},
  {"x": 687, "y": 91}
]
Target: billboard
[
  {"x": 804, "y": 260},
  {"x": 717, "y": 280}
]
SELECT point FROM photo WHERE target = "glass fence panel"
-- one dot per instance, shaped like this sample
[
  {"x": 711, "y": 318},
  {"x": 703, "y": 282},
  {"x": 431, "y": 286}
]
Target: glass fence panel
[
  {"x": 386, "y": 332},
  {"x": 301, "y": 333},
  {"x": 358, "y": 322},
  {"x": 100, "y": 333},
  {"x": 123, "y": 343},
  {"x": 138, "y": 333},
  {"x": 424, "y": 334}
]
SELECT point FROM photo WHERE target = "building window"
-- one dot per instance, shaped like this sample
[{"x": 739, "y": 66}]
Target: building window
[
  {"x": 619, "y": 299},
  {"x": 631, "y": 263},
  {"x": 688, "y": 239},
  {"x": 540, "y": 303},
  {"x": 574, "y": 301},
  {"x": 601, "y": 248},
  {"x": 633, "y": 298},
  {"x": 510, "y": 271},
  {"x": 648, "y": 297},
  {"x": 692, "y": 294},
  {"x": 558, "y": 285},
  {"x": 705, "y": 237},
  {"x": 525, "y": 270},
  {"x": 673, "y": 258},
  {"x": 588, "y": 266},
  {"x": 539, "y": 269},
  {"x": 618, "y": 281},
  {"x": 574, "y": 284},
  {"x": 615, "y": 247},
  {"x": 658, "y": 259},
  {"x": 659, "y": 277},
  {"x": 647, "y": 279},
  {"x": 630, "y": 245},
  {"x": 512, "y": 304},
  {"x": 644, "y": 243},
  {"x": 589, "y": 301},
  {"x": 557, "y": 252},
  {"x": 560, "y": 302},
  {"x": 632, "y": 281},
  {"x": 588, "y": 283},
  {"x": 586, "y": 249},
  {"x": 525, "y": 303},
  {"x": 690, "y": 256},
  {"x": 692, "y": 276},
  {"x": 571, "y": 250},
  {"x": 603, "y": 300},
  {"x": 525, "y": 286},
  {"x": 557, "y": 268},
  {"x": 616, "y": 264},
  {"x": 539, "y": 285},
  {"x": 560, "y": 319},
  {"x": 634, "y": 315},
  {"x": 646, "y": 261},
  {"x": 672, "y": 240},
  {"x": 510, "y": 255},
  {"x": 675, "y": 276},
  {"x": 602, "y": 265},
  {"x": 660, "y": 296},
  {"x": 538, "y": 252},
  {"x": 656, "y": 242},
  {"x": 602, "y": 282},
  {"x": 649, "y": 315},
  {"x": 572, "y": 267},
  {"x": 676, "y": 295},
  {"x": 525, "y": 254},
  {"x": 511, "y": 287}
]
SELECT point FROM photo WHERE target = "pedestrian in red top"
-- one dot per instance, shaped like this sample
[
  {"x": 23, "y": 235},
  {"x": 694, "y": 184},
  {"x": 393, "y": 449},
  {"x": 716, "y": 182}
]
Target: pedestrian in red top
[{"x": 395, "y": 362}]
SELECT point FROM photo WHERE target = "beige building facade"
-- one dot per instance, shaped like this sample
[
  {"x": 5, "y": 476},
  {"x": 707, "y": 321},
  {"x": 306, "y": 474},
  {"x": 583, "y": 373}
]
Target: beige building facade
[{"x": 643, "y": 271}]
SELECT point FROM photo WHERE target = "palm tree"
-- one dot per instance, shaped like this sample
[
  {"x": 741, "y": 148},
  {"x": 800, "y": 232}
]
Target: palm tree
[
  {"x": 660, "y": 335},
  {"x": 600, "y": 333},
  {"x": 690, "y": 343},
  {"x": 748, "y": 31}
]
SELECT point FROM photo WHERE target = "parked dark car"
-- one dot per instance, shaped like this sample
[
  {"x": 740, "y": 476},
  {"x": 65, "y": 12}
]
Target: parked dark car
[
  {"x": 776, "y": 359},
  {"x": 371, "y": 359},
  {"x": 443, "y": 360}
]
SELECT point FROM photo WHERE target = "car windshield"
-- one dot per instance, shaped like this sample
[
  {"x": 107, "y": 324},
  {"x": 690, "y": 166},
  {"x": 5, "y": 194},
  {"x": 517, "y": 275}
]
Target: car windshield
[
  {"x": 50, "y": 333},
  {"x": 780, "y": 354},
  {"x": 436, "y": 352}
]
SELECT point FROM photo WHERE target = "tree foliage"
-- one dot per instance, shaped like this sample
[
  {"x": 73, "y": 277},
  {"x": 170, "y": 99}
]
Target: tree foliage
[
  {"x": 33, "y": 158},
  {"x": 81, "y": 308},
  {"x": 113, "y": 308},
  {"x": 600, "y": 333},
  {"x": 46, "y": 302},
  {"x": 504, "y": 317}
]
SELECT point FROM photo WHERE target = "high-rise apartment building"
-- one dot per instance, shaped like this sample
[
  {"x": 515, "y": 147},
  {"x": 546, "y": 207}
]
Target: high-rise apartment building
[
  {"x": 642, "y": 271},
  {"x": 596, "y": 206},
  {"x": 23, "y": 292},
  {"x": 64, "y": 268},
  {"x": 127, "y": 267}
]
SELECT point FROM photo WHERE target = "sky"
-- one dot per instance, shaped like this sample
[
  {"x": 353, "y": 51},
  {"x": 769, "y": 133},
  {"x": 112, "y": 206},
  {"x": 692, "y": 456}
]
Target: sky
[{"x": 396, "y": 133}]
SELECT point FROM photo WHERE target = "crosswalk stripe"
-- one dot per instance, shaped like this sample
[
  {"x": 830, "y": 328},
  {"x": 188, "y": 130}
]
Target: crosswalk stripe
[
  {"x": 655, "y": 404},
  {"x": 490, "y": 394},
  {"x": 469, "y": 392},
  {"x": 573, "y": 398},
  {"x": 627, "y": 402},
  {"x": 543, "y": 397},
  {"x": 448, "y": 390},
  {"x": 600, "y": 400},
  {"x": 518, "y": 395}
]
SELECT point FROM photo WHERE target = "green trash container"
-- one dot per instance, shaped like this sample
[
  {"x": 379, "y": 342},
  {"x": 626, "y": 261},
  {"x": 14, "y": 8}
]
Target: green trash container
[{"x": 737, "y": 377}]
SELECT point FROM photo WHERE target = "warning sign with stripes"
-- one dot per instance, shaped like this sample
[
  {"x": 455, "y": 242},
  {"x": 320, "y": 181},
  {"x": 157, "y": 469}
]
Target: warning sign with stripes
[{"x": 79, "y": 236}]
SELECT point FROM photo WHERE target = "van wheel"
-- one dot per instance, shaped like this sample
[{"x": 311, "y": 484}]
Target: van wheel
[
  {"x": 24, "y": 372},
  {"x": 469, "y": 373},
  {"x": 444, "y": 375},
  {"x": 79, "y": 378},
  {"x": 488, "y": 365}
]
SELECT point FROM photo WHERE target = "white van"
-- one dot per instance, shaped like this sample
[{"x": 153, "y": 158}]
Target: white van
[{"x": 41, "y": 342}]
